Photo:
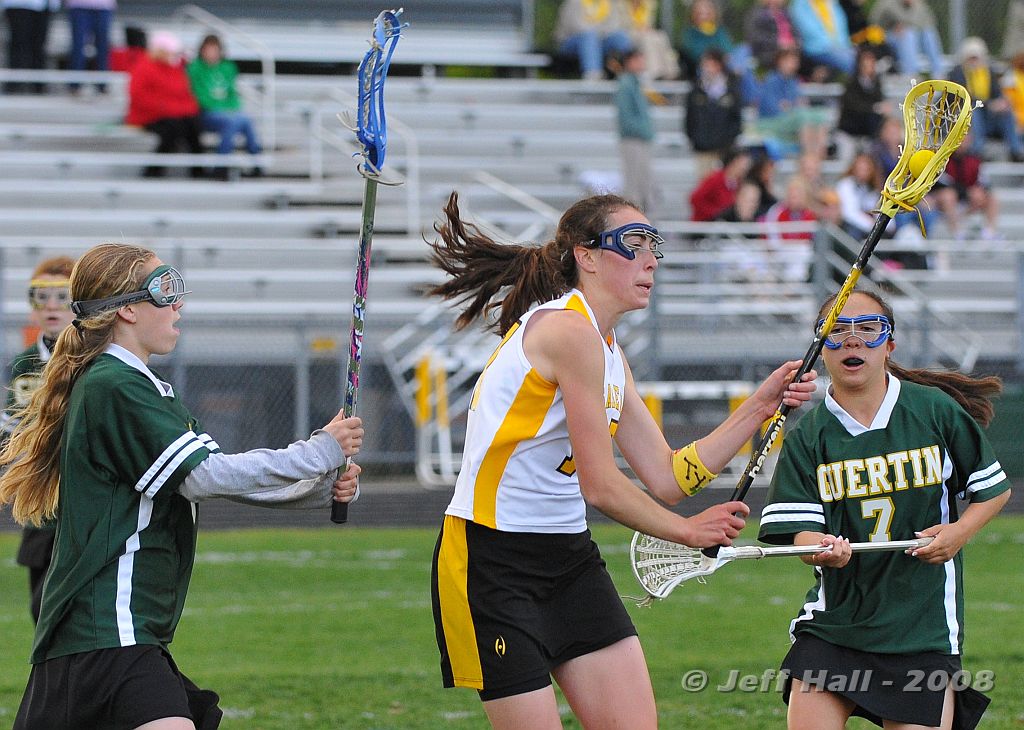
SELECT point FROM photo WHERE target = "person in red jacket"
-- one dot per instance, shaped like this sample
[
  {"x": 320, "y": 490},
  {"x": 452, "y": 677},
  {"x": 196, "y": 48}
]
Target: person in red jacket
[
  {"x": 717, "y": 191},
  {"x": 160, "y": 99}
]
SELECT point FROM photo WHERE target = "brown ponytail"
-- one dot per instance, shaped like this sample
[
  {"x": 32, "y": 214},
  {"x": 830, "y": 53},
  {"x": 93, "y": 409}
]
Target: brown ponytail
[
  {"x": 482, "y": 269},
  {"x": 32, "y": 454},
  {"x": 973, "y": 394}
]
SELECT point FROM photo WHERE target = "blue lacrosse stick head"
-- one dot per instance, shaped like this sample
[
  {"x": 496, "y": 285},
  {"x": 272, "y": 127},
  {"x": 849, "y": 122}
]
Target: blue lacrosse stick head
[{"x": 371, "y": 128}]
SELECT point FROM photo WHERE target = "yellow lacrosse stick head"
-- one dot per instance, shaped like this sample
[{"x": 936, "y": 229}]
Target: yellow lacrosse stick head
[{"x": 936, "y": 117}]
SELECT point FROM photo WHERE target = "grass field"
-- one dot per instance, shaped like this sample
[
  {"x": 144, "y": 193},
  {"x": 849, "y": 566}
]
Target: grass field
[{"x": 331, "y": 628}]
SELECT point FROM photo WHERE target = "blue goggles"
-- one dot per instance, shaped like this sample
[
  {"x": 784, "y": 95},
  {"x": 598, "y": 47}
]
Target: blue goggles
[
  {"x": 163, "y": 287},
  {"x": 871, "y": 329},
  {"x": 628, "y": 239}
]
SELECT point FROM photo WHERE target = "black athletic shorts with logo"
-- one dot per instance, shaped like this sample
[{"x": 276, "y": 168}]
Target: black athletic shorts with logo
[
  {"x": 113, "y": 689},
  {"x": 511, "y": 606},
  {"x": 905, "y": 688}
]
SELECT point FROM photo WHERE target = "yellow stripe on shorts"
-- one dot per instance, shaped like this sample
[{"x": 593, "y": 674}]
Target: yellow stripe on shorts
[{"x": 456, "y": 619}]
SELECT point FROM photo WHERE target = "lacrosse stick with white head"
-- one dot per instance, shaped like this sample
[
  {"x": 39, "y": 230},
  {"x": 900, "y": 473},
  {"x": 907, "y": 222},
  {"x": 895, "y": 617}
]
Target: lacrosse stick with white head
[{"x": 661, "y": 565}]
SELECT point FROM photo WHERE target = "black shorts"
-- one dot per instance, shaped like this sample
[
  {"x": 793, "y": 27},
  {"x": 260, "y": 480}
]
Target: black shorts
[
  {"x": 113, "y": 689},
  {"x": 509, "y": 607},
  {"x": 908, "y": 688}
]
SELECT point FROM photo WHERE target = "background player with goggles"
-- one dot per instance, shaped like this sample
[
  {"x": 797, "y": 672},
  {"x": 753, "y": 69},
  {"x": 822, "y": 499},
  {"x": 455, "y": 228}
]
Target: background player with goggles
[
  {"x": 871, "y": 329},
  {"x": 42, "y": 291}
]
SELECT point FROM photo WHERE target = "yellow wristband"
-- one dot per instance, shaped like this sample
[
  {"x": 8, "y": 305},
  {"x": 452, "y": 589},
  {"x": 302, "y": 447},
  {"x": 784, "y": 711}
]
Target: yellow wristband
[{"x": 690, "y": 473}]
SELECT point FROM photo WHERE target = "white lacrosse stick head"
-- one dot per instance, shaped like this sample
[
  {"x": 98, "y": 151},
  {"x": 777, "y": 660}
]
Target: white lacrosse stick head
[{"x": 660, "y": 565}]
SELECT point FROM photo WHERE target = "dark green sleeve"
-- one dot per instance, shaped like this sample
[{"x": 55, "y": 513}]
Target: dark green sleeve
[{"x": 793, "y": 504}]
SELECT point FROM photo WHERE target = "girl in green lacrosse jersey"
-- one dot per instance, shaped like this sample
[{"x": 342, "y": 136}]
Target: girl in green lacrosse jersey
[
  {"x": 885, "y": 457},
  {"x": 520, "y": 591},
  {"x": 107, "y": 451}
]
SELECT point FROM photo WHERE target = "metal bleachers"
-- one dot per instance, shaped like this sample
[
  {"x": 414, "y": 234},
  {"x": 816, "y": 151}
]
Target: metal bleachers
[{"x": 519, "y": 150}]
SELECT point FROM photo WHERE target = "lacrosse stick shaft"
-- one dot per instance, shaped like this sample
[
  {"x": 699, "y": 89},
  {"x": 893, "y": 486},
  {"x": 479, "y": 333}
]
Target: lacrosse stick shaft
[
  {"x": 339, "y": 510},
  {"x": 782, "y": 551}
]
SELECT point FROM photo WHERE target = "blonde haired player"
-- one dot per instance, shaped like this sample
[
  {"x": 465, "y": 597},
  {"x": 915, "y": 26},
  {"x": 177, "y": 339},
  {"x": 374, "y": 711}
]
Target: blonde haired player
[
  {"x": 520, "y": 592},
  {"x": 110, "y": 453}
]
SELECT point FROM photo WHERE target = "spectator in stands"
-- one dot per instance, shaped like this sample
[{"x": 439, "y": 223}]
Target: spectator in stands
[
  {"x": 963, "y": 192},
  {"x": 808, "y": 167},
  {"x": 212, "y": 78},
  {"x": 792, "y": 249},
  {"x": 50, "y": 312},
  {"x": 762, "y": 174},
  {"x": 858, "y": 192},
  {"x": 591, "y": 30},
  {"x": 862, "y": 105},
  {"x": 90, "y": 22},
  {"x": 714, "y": 111},
  {"x": 160, "y": 99},
  {"x": 28, "y": 22},
  {"x": 864, "y": 34},
  {"x": 910, "y": 26},
  {"x": 661, "y": 58},
  {"x": 703, "y": 32},
  {"x": 828, "y": 207},
  {"x": 1013, "y": 37},
  {"x": 744, "y": 208},
  {"x": 1012, "y": 84},
  {"x": 768, "y": 30},
  {"x": 123, "y": 58},
  {"x": 786, "y": 119},
  {"x": 636, "y": 132},
  {"x": 886, "y": 147},
  {"x": 981, "y": 80},
  {"x": 717, "y": 191},
  {"x": 746, "y": 261},
  {"x": 824, "y": 34}
]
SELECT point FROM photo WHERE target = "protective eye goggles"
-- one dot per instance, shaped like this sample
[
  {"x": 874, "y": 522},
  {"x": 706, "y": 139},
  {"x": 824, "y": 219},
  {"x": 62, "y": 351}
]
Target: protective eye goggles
[
  {"x": 42, "y": 292},
  {"x": 628, "y": 239},
  {"x": 871, "y": 329},
  {"x": 162, "y": 288}
]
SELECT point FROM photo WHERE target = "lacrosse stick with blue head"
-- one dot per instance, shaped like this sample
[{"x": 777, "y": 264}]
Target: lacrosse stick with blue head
[{"x": 371, "y": 131}]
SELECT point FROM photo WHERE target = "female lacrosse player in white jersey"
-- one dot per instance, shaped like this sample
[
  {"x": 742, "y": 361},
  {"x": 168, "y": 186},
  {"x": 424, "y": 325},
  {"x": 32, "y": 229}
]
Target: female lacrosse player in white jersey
[
  {"x": 884, "y": 458},
  {"x": 520, "y": 592},
  {"x": 107, "y": 450}
]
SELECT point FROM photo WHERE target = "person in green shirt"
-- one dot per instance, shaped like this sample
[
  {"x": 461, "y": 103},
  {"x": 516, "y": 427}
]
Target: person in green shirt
[
  {"x": 50, "y": 311},
  {"x": 213, "y": 82},
  {"x": 891, "y": 454},
  {"x": 108, "y": 451}
]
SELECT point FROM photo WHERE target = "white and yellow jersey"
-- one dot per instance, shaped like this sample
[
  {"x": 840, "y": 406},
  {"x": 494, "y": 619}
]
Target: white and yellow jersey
[{"x": 518, "y": 472}]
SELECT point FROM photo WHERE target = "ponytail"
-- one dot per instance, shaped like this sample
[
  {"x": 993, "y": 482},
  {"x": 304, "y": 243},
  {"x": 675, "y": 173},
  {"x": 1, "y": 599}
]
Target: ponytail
[
  {"x": 482, "y": 269},
  {"x": 32, "y": 454},
  {"x": 973, "y": 394}
]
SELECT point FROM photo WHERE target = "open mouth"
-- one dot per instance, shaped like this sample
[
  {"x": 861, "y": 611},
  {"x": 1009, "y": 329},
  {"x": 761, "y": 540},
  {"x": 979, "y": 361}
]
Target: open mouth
[{"x": 852, "y": 362}]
